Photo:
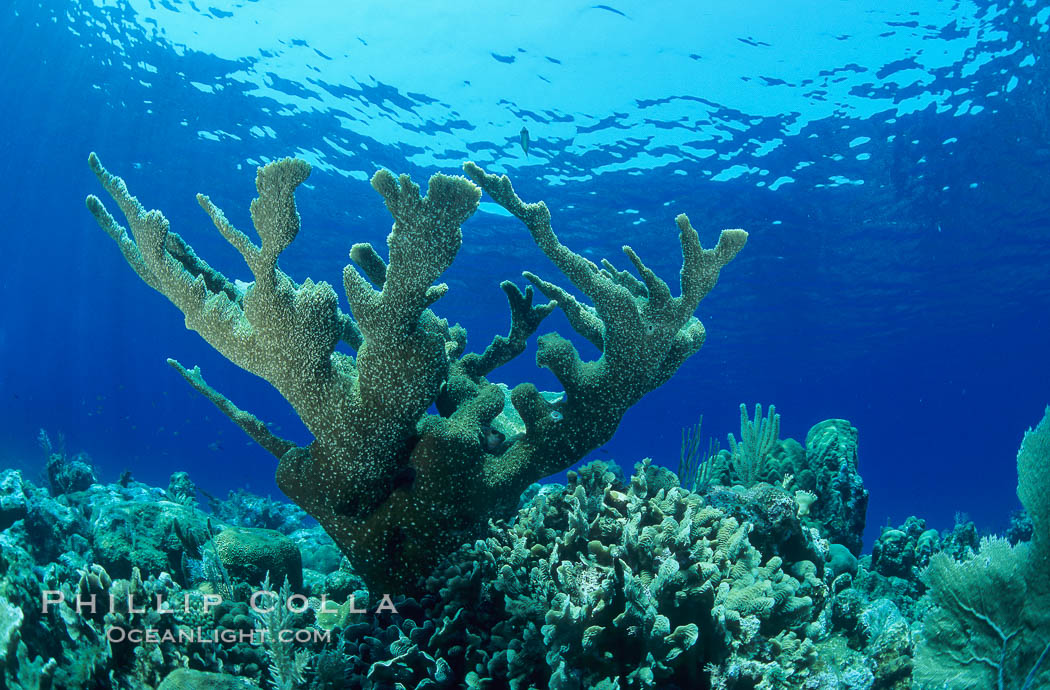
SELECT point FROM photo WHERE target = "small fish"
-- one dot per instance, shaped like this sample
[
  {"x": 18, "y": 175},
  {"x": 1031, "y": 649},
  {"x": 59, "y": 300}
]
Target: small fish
[{"x": 525, "y": 141}]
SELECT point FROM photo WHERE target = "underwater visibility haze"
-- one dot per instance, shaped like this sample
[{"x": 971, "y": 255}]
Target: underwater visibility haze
[{"x": 568, "y": 345}]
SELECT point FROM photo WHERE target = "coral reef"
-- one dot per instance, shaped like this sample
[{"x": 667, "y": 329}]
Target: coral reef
[
  {"x": 823, "y": 474},
  {"x": 246, "y": 510},
  {"x": 397, "y": 487},
  {"x": 637, "y": 584},
  {"x": 904, "y": 552},
  {"x": 605, "y": 582},
  {"x": 66, "y": 619},
  {"x": 65, "y": 474},
  {"x": 144, "y": 534},
  {"x": 608, "y": 582}
]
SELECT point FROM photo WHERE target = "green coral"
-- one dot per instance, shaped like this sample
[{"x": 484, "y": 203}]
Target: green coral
[
  {"x": 695, "y": 464},
  {"x": 250, "y": 553},
  {"x": 273, "y": 615},
  {"x": 988, "y": 629},
  {"x": 605, "y": 583},
  {"x": 188, "y": 679},
  {"x": 825, "y": 468},
  {"x": 397, "y": 487},
  {"x": 989, "y": 626},
  {"x": 758, "y": 438},
  {"x": 144, "y": 534},
  {"x": 1033, "y": 488}
]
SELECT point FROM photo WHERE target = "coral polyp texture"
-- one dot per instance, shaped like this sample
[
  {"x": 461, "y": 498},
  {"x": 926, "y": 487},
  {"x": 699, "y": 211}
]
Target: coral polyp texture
[{"x": 396, "y": 487}]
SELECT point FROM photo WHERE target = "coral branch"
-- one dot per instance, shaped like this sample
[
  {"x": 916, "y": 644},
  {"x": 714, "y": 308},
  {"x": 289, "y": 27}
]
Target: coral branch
[
  {"x": 525, "y": 319},
  {"x": 251, "y": 424},
  {"x": 644, "y": 334}
]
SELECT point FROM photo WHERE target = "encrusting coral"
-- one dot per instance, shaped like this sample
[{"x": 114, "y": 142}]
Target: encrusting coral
[{"x": 397, "y": 487}]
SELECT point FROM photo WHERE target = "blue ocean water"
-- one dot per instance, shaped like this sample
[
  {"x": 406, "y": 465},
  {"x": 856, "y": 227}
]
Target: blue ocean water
[{"x": 891, "y": 164}]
